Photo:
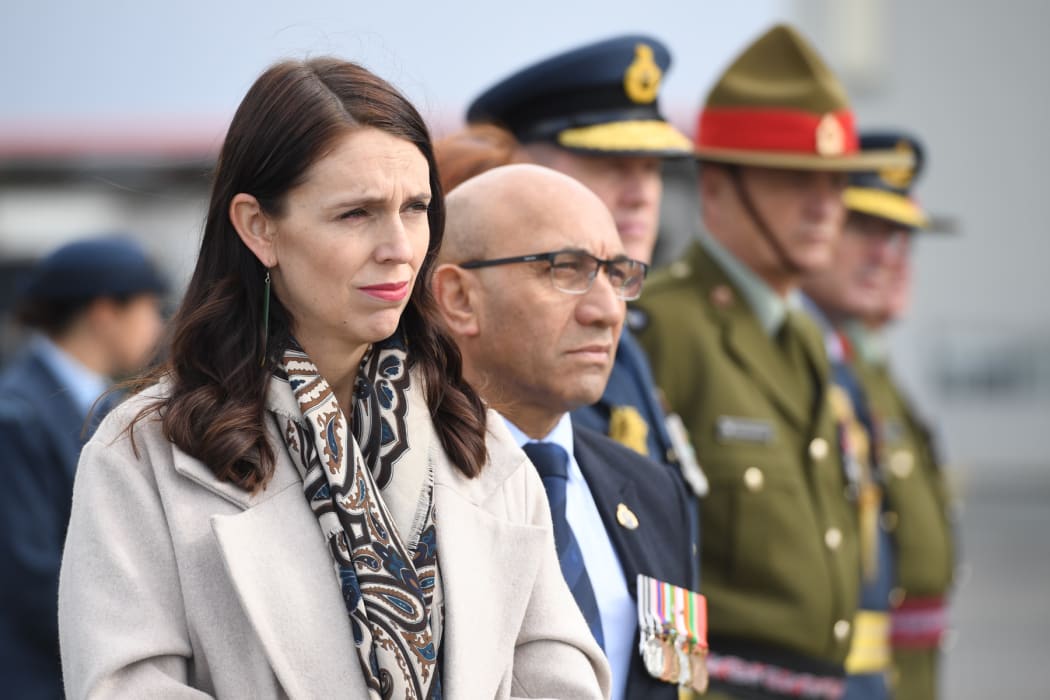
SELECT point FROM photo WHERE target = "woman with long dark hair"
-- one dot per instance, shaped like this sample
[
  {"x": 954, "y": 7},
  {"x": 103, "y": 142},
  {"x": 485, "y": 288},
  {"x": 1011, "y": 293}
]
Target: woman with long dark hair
[{"x": 307, "y": 499}]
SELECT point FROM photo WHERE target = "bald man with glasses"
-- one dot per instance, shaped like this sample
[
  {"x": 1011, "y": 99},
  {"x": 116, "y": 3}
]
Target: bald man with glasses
[{"x": 532, "y": 283}]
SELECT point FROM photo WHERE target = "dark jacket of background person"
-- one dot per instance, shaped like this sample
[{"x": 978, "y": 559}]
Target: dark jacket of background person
[
  {"x": 41, "y": 434},
  {"x": 94, "y": 303}
]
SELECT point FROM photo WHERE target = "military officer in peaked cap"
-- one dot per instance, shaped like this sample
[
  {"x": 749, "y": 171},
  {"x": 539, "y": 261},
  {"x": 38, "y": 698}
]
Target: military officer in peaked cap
[
  {"x": 863, "y": 292},
  {"x": 748, "y": 373},
  {"x": 593, "y": 113}
]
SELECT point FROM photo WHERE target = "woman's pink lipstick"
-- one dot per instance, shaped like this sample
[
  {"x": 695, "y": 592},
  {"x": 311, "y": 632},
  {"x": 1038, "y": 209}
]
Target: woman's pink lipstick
[{"x": 393, "y": 291}]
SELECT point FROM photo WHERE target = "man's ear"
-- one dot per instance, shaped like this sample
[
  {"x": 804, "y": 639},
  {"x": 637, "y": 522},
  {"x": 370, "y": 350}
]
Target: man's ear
[
  {"x": 254, "y": 227},
  {"x": 457, "y": 295}
]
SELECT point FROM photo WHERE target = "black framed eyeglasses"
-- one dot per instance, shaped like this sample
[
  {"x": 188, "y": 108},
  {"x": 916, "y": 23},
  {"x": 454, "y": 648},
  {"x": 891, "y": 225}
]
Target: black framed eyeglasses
[{"x": 574, "y": 271}]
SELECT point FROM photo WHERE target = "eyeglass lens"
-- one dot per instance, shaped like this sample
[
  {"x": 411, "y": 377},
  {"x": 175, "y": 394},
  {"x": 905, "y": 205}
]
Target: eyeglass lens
[{"x": 574, "y": 271}]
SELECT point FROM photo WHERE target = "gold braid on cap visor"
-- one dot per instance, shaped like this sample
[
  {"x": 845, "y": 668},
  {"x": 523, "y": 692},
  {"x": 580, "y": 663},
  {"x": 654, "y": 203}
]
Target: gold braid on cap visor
[{"x": 638, "y": 135}]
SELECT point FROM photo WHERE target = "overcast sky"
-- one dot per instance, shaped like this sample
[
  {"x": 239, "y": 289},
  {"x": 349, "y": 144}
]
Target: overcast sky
[{"x": 70, "y": 62}]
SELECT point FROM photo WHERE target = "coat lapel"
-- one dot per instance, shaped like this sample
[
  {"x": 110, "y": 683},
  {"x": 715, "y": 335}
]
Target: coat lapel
[
  {"x": 481, "y": 631},
  {"x": 287, "y": 587},
  {"x": 285, "y": 582},
  {"x": 754, "y": 350},
  {"x": 744, "y": 339},
  {"x": 610, "y": 488}
]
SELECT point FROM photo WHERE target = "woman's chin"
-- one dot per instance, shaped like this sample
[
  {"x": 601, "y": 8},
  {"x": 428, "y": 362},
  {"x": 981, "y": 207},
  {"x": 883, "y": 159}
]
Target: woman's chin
[{"x": 381, "y": 325}]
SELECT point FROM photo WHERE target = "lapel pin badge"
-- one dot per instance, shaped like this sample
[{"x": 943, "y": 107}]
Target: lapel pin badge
[{"x": 626, "y": 517}]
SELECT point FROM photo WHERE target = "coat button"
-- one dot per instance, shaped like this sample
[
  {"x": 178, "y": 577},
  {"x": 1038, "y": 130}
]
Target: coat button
[
  {"x": 818, "y": 448},
  {"x": 754, "y": 479},
  {"x": 833, "y": 538},
  {"x": 888, "y": 521},
  {"x": 680, "y": 269},
  {"x": 722, "y": 296},
  {"x": 841, "y": 630},
  {"x": 901, "y": 463}
]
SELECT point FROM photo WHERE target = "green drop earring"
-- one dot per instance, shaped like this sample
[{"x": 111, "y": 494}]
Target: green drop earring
[{"x": 266, "y": 317}]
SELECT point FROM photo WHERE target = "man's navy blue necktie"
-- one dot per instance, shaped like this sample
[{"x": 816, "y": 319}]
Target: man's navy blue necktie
[{"x": 552, "y": 463}]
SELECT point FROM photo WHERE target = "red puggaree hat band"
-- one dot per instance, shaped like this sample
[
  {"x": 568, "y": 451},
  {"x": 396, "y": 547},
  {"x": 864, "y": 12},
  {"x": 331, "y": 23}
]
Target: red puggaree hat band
[{"x": 788, "y": 130}]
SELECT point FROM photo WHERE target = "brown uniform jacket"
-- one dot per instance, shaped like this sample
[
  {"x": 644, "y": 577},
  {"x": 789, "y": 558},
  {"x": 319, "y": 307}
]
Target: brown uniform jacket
[
  {"x": 779, "y": 551},
  {"x": 915, "y": 488}
]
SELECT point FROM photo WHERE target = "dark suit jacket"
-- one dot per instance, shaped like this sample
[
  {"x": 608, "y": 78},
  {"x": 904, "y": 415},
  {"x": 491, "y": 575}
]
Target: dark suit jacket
[
  {"x": 631, "y": 384},
  {"x": 40, "y": 441},
  {"x": 664, "y": 543}
]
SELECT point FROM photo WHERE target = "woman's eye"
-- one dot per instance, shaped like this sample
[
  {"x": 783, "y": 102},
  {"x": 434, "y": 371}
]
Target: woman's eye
[{"x": 419, "y": 206}]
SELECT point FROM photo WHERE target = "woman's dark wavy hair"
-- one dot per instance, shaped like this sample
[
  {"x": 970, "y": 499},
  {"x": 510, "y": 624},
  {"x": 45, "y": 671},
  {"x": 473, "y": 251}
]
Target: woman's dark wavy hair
[{"x": 214, "y": 410}]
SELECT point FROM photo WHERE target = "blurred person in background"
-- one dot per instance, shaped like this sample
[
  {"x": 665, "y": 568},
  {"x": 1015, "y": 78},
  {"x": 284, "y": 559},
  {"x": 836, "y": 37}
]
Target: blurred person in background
[
  {"x": 747, "y": 372},
  {"x": 94, "y": 308},
  {"x": 883, "y": 220},
  {"x": 854, "y": 288},
  {"x": 471, "y": 151},
  {"x": 593, "y": 114},
  {"x": 532, "y": 285},
  {"x": 307, "y": 499}
]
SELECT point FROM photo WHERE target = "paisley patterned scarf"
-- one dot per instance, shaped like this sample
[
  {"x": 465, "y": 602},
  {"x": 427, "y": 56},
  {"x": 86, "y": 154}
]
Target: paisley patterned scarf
[{"x": 388, "y": 588}]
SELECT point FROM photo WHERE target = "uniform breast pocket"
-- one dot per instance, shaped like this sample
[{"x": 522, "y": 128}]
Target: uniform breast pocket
[{"x": 759, "y": 521}]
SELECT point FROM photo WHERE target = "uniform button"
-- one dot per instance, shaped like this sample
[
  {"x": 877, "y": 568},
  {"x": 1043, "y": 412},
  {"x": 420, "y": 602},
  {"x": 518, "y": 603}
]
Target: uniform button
[
  {"x": 679, "y": 269},
  {"x": 841, "y": 630},
  {"x": 833, "y": 538},
  {"x": 818, "y": 448},
  {"x": 754, "y": 479},
  {"x": 901, "y": 463},
  {"x": 896, "y": 597},
  {"x": 888, "y": 521},
  {"x": 722, "y": 296}
]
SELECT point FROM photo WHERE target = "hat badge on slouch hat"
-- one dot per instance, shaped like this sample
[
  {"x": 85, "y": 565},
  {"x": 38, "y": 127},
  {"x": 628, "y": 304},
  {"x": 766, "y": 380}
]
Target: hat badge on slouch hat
[
  {"x": 598, "y": 99},
  {"x": 831, "y": 137},
  {"x": 778, "y": 105}
]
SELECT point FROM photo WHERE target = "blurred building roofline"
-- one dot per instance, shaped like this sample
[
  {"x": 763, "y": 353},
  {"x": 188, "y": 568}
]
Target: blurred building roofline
[{"x": 49, "y": 149}]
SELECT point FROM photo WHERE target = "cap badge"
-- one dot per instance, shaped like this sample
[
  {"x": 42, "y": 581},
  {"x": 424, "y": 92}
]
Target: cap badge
[
  {"x": 626, "y": 517},
  {"x": 641, "y": 80},
  {"x": 899, "y": 178},
  {"x": 831, "y": 139}
]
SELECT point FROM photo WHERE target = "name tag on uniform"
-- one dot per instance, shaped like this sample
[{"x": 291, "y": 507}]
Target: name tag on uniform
[
  {"x": 736, "y": 429},
  {"x": 672, "y": 623}
]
